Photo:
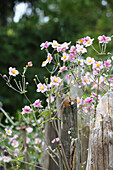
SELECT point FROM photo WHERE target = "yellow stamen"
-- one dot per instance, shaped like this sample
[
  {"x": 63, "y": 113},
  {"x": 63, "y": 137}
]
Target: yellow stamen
[
  {"x": 64, "y": 57},
  {"x": 30, "y": 64},
  {"x": 88, "y": 42},
  {"x": 89, "y": 61},
  {"x": 43, "y": 62},
  {"x": 55, "y": 80},
  {"x": 13, "y": 71},
  {"x": 85, "y": 80},
  {"x": 81, "y": 41},
  {"x": 55, "y": 44},
  {"x": 98, "y": 65},
  {"x": 78, "y": 101},
  {"x": 48, "y": 58},
  {"x": 42, "y": 87}
]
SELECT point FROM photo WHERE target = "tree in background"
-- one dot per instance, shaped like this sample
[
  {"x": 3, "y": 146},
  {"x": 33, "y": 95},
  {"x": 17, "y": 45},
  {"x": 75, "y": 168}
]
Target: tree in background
[{"x": 62, "y": 20}]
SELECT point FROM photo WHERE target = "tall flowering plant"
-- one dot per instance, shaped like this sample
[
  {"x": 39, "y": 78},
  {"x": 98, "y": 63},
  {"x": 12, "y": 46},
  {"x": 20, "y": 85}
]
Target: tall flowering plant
[{"x": 70, "y": 67}]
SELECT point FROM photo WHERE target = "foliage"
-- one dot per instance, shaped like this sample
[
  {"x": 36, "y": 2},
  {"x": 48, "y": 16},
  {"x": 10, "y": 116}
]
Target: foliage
[{"x": 68, "y": 68}]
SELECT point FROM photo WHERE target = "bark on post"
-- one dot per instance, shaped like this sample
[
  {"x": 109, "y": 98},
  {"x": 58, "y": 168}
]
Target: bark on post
[
  {"x": 69, "y": 131},
  {"x": 84, "y": 139},
  {"x": 50, "y": 134},
  {"x": 100, "y": 153},
  {"x": 65, "y": 137},
  {"x": 75, "y": 154},
  {"x": 67, "y": 122},
  {"x": 23, "y": 128}
]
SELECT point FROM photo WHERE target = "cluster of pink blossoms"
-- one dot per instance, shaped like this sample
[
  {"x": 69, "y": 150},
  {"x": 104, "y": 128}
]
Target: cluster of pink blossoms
[
  {"x": 71, "y": 56},
  {"x": 88, "y": 78},
  {"x": 36, "y": 141},
  {"x": 28, "y": 109},
  {"x": 87, "y": 41},
  {"x": 97, "y": 68},
  {"x": 87, "y": 104},
  {"x": 55, "y": 81}
]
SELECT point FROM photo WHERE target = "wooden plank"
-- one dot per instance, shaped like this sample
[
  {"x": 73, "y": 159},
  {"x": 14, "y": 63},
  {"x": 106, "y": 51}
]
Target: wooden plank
[{"x": 101, "y": 137}]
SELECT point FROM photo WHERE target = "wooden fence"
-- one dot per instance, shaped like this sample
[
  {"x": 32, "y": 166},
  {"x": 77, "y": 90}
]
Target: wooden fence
[{"x": 85, "y": 148}]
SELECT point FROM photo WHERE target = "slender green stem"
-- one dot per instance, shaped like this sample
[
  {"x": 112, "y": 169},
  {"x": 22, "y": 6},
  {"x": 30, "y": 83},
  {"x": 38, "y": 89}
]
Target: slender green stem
[
  {"x": 13, "y": 87},
  {"x": 2, "y": 125},
  {"x": 27, "y": 98},
  {"x": 53, "y": 158},
  {"x": 31, "y": 164},
  {"x": 3, "y": 111},
  {"x": 95, "y": 50},
  {"x": 17, "y": 84}
]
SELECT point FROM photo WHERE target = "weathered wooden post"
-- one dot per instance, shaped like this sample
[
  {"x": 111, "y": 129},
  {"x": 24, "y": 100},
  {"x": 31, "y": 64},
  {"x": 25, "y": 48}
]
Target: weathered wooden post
[
  {"x": 50, "y": 134},
  {"x": 23, "y": 128},
  {"x": 84, "y": 140},
  {"x": 69, "y": 134},
  {"x": 69, "y": 129},
  {"x": 100, "y": 153}
]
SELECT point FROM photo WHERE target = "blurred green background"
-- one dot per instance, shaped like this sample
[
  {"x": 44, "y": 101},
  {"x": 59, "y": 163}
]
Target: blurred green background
[{"x": 61, "y": 20}]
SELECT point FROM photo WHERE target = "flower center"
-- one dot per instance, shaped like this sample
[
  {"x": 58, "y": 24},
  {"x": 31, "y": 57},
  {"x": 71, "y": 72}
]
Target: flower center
[
  {"x": 85, "y": 80},
  {"x": 13, "y": 71},
  {"x": 48, "y": 58},
  {"x": 37, "y": 140},
  {"x": 14, "y": 143},
  {"x": 55, "y": 80},
  {"x": 81, "y": 41},
  {"x": 89, "y": 61},
  {"x": 42, "y": 87},
  {"x": 98, "y": 65},
  {"x": 30, "y": 64},
  {"x": 43, "y": 62},
  {"x": 64, "y": 57},
  {"x": 8, "y": 131},
  {"x": 78, "y": 101},
  {"x": 55, "y": 44},
  {"x": 88, "y": 42},
  {"x": 27, "y": 110}
]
